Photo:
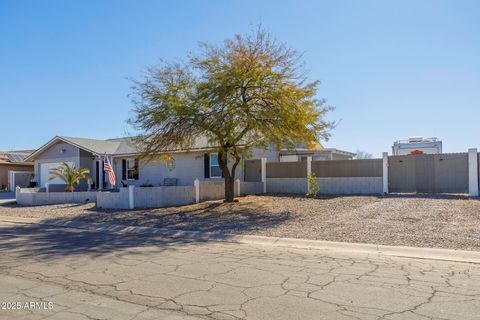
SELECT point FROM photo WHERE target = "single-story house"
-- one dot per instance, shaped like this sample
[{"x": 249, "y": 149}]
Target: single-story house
[
  {"x": 199, "y": 161},
  {"x": 14, "y": 170}
]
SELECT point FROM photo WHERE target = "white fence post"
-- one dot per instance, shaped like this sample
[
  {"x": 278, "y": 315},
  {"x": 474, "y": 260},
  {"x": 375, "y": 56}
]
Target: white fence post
[
  {"x": 131, "y": 197},
  {"x": 17, "y": 191},
  {"x": 264, "y": 174},
  {"x": 237, "y": 182},
  {"x": 309, "y": 172},
  {"x": 47, "y": 187},
  {"x": 473, "y": 172},
  {"x": 196, "y": 183},
  {"x": 385, "y": 172}
]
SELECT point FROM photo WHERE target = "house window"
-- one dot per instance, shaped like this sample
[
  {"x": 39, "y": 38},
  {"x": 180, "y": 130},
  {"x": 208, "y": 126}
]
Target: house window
[
  {"x": 215, "y": 171},
  {"x": 132, "y": 169}
]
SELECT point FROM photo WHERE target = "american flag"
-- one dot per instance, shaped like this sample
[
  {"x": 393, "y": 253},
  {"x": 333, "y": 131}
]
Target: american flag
[{"x": 107, "y": 167}]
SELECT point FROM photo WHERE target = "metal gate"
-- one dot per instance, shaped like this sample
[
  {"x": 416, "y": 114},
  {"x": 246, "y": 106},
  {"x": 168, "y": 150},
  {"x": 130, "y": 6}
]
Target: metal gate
[{"x": 428, "y": 173}]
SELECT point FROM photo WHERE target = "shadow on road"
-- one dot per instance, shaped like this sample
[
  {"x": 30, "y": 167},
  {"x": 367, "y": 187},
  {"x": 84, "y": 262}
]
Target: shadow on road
[
  {"x": 47, "y": 242},
  {"x": 217, "y": 219}
]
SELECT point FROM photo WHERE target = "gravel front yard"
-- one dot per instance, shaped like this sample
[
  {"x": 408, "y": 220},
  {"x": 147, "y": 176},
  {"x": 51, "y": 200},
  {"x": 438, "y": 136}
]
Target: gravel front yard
[{"x": 410, "y": 220}]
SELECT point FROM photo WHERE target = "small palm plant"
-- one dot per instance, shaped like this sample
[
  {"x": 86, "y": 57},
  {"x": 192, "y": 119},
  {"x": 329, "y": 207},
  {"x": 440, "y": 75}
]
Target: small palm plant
[{"x": 71, "y": 175}]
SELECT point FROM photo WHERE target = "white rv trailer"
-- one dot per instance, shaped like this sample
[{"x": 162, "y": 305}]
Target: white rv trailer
[{"x": 417, "y": 145}]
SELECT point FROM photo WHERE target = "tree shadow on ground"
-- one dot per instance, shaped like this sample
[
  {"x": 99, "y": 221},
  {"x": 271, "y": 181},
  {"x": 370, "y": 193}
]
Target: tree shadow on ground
[
  {"x": 215, "y": 220},
  {"x": 217, "y": 217}
]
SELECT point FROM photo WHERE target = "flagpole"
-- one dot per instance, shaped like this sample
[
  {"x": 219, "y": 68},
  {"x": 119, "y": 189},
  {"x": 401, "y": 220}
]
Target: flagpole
[
  {"x": 111, "y": 172},
  {"x": 103, "y": 170}
]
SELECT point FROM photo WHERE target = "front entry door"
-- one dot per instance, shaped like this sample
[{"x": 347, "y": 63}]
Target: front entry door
[
  {"x": 97, "y": 185},
  {"x": 99, "y": 174}
]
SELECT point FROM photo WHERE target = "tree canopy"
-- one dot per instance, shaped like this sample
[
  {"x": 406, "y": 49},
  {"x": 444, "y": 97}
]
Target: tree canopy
[{"x": 249, "y": 92}]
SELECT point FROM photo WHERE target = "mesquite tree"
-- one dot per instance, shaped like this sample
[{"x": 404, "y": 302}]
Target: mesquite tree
[{"x": 249, "y": 92}]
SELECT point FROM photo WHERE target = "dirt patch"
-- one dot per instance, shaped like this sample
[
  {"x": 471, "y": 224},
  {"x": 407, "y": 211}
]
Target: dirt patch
[{"x": 415, "y": 220}]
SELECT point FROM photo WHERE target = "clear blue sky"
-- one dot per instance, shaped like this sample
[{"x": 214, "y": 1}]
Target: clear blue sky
[{"x": 392, "y": 69}]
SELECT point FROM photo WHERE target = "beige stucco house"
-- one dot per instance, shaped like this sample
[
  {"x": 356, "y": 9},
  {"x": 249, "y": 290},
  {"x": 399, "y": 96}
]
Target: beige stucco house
[{"x": 199, "y": 161}]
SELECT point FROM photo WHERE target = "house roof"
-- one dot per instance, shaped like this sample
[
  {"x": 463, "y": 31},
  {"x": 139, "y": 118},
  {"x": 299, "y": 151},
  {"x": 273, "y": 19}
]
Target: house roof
[
  {"x": 94, "y": 145},
  {"x": 301, "y": 151},
  {"x": 126, "y": 146},
  {"x": 16, "y": 157},
  {"x": 111, "y": 147}
]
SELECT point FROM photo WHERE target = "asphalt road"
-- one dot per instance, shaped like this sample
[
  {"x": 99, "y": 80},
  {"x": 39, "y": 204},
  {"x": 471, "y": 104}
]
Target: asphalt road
[{"x": 79, "y": 274}]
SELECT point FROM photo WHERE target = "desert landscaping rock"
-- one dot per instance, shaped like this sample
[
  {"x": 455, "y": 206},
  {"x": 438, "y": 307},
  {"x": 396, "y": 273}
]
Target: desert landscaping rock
[{"x": 440, "y": 221}]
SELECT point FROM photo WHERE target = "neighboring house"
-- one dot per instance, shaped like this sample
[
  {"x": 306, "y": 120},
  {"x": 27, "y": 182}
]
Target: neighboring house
[
  {"x": 14, "y": 171},
  {"x": 321, "y": 154},
  {"x": 301, "y": 152},
  {"x": 199, "y": 161}
]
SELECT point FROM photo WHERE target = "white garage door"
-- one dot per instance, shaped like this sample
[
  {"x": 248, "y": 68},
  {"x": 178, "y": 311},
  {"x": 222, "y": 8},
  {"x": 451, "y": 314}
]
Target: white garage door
[{"x": 45, "y": 173}]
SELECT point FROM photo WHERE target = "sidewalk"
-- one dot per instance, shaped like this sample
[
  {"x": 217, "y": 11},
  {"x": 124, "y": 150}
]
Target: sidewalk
[{"x": 397, "y": 251}]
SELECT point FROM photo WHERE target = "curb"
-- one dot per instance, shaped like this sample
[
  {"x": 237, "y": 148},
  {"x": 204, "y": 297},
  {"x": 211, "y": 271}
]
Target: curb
[{"x": 331, "y": 246}]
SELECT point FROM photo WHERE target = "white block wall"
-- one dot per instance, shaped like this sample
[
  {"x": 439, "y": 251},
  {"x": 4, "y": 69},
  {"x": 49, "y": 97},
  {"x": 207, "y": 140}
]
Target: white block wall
[
  {"x": 28, "y": 198},
  {"x": 249, "y": 187},
  {"x": 213, "y": 190},
  {"x": 157, "y": 197},
  {"x": 351, "y": 185},
  {"x": 113, "y": 200},
  {"x": 287, "y": 185}
]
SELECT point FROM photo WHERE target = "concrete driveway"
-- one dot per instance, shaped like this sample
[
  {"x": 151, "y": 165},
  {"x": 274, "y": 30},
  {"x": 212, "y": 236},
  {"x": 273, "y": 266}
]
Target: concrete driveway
[
  {"x": 7, "y": 197},
  {"x": 78, "y": 274}
]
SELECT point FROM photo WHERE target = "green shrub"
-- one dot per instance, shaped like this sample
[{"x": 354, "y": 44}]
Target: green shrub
[{"x": 313, "y": 186}]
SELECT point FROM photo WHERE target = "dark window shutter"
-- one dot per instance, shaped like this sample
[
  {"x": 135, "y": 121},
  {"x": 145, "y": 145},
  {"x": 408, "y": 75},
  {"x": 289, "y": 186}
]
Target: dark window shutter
[
  {"x": 124, "y": 169},
  {"x": 136, "y": 169},
  {"x": 97, "y": 175},
  {"x": 206, "y": 166},
  {"x": 103, "y": 174}
]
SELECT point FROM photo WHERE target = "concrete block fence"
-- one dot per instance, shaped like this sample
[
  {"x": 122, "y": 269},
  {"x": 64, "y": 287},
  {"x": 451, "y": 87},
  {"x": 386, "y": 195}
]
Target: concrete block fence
[
  {"x": 138, "y": 197},
  {"x": 339, "y": 185},
  {"x": 114, "y": 200},
  {"x": 452, "y": 172},
  {"x": 213, "y": 190},
  {"x": 31, "y": 197},
  {"x": 331, "y": 176},
  {"x": 287, "y": 185},
  {"x": 251, "y": 187},
  {"x": 350, "y": 185},
  {"x": 426, "y": 173}
]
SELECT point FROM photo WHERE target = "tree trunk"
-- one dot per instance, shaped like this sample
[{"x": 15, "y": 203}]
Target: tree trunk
[
  {"x": 228, "y": 176},
  {"x": 229, "y": 189}
]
